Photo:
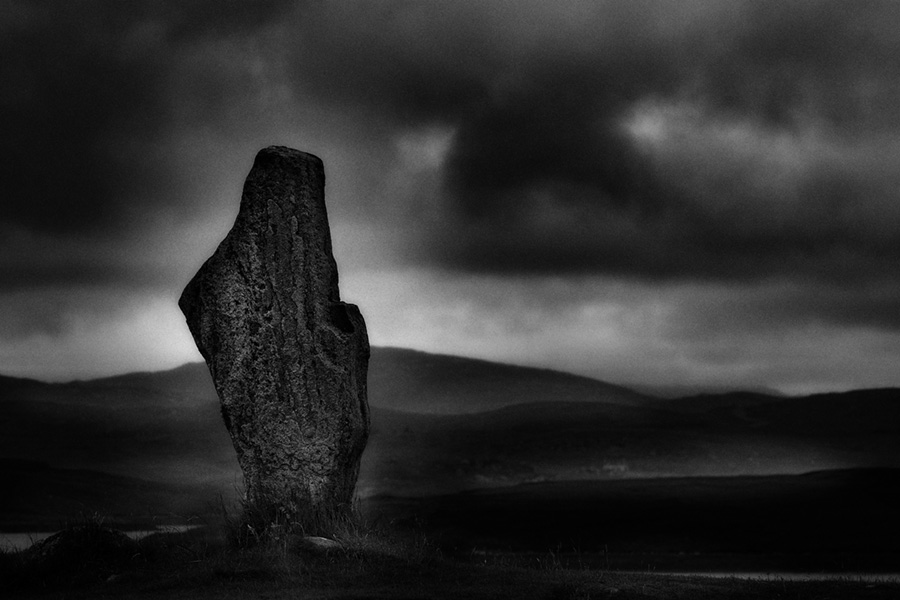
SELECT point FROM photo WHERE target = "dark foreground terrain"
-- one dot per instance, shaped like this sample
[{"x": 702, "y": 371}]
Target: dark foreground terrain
[
  {"x": 498, "y": 481},
  {"x": 570, "y": 540},
  {"x": 842, "y": 521},
  {"x": 370, "y": 564},
  {"x": 834, "y": 521}
]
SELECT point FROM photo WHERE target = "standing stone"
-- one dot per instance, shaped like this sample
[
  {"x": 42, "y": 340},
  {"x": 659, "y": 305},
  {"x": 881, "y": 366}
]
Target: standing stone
[{"x": 287, "y": 357}]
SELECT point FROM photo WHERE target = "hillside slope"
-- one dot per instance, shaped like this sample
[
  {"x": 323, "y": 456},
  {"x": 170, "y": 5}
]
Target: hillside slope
[
  {"x": 530, "y": 425},
  {"x": 413, "y": 381}
]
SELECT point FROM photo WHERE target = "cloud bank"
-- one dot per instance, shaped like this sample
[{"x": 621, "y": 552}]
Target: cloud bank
[{"x": 737, "y": 161}]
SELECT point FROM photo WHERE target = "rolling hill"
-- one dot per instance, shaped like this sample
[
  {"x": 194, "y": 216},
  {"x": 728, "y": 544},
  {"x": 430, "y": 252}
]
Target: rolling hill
[
  {"x": 440, "y": 425},
  {"x": 412, "y": 381}
]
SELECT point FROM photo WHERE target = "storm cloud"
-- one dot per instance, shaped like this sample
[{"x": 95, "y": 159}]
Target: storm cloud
[
  {"x": 738, "y": 162},
  {"x": 87, "y": 101},
  {"x": 765, "y": 148},
  {"x": 700, "y": 141}
]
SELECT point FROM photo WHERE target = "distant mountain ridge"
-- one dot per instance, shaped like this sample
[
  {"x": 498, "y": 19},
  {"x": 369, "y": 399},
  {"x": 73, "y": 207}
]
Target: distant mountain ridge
[
  {"x": 681, "y": 391},
  {"x": 415, "y": 381},
  {"x": 409, "y": 381}
]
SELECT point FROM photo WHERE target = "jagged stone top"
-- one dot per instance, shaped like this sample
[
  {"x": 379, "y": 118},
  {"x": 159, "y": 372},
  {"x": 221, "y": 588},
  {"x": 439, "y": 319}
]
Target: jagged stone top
[
  {"x": 287, "y": 154},
  {"x": 277, "y": 256}
]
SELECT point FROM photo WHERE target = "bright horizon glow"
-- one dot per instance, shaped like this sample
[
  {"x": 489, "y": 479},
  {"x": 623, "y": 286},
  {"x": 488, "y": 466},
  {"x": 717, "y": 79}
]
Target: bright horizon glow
[{"x": 608, "y": 324}]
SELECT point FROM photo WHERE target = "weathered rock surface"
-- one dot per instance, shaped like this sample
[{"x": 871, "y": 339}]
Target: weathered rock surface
[{"x": 287, "y": 357}]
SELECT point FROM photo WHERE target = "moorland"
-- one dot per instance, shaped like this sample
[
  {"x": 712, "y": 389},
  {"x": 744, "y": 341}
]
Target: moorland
[{"x": 487, "y": 466}]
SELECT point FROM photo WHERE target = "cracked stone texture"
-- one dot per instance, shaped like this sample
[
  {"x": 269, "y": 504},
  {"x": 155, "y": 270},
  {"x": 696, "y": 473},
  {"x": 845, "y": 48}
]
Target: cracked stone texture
[{"x": 288, "y": 358}]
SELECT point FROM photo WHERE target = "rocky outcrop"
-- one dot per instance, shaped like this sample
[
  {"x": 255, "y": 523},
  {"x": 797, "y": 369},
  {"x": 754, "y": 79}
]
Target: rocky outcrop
[
  {"x": 79, "y": 554},
  {"x": 287, "y": 357}
]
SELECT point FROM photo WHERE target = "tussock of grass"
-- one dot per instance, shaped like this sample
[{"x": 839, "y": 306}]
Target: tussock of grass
[
  {"x": 262, "y": 521},
  {"x": 82, "y": 553}
]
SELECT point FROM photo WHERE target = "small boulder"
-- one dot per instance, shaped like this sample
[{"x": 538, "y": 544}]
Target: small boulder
[{"x": 82, "y": 553}]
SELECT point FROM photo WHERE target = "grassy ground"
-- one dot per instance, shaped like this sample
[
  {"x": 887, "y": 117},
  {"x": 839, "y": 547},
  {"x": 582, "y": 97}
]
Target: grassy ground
[{"x": 369, "y": 565}]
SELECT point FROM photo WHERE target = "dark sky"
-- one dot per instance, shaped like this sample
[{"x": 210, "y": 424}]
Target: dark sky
[{"x": 658, "y": 192}]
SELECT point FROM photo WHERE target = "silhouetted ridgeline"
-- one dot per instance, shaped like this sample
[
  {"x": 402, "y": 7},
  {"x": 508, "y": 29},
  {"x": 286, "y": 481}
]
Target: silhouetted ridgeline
[{"x": 412, "y": 381}]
